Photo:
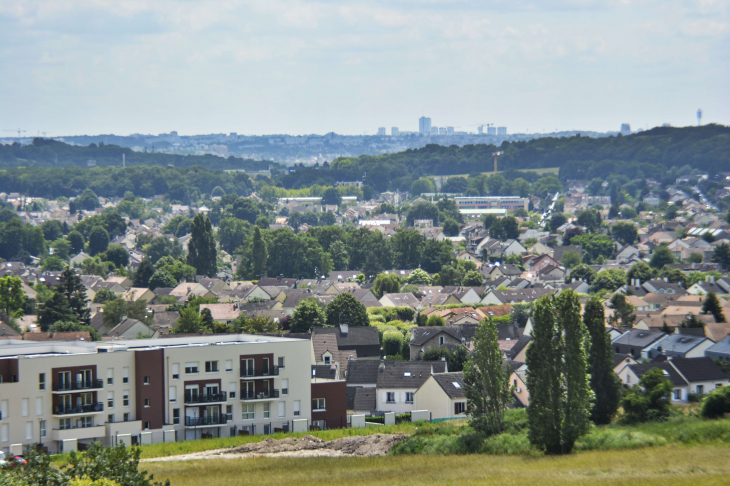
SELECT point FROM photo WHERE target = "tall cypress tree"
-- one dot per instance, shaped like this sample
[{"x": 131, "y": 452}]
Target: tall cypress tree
[
  {"x": 259, "y": 253},
  {"x": 605, "y": 384},
  {"x": 711, "y": 305},
  {"x": 557, "y": 374},
  {"x": 74, "y": 290},
  {"x": 201, "y": 249}
]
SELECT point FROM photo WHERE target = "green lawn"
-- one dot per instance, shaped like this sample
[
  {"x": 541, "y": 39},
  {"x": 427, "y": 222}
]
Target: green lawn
[{"x": 675, "y": 465}]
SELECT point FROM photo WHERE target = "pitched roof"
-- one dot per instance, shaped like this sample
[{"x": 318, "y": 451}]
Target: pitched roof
[
  {"x": 326, "y": 372},
  {"x": 699, "y": 369},
  {"x": 521, "y": 295},
  {"x": 364, "y": 399},
  {"x": 639, "y": 337},
  {"x": 676, "y": 379},
  {"x": 363, "y": 372},
  {"x": 406, "y": 374},
  {"x": 356, "y": 336},
  {"x": 420, "y": 335},
  {"x": 451, "y": 383}
]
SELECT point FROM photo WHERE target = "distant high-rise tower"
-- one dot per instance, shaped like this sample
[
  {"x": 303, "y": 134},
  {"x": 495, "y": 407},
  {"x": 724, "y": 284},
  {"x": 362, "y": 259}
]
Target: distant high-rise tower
[
  {"x": 625, "y": 129},
  {"x": 394, "y": 132},
  {"x": 491, "y": 130},
  {"x": 699, "y": 117},
  {"x": 480, "y": 129},
  {"x": 424, "y": 126},
  {"x": 502, "y": 131},
  {"x": 449, "y": 131},
  {"x": 442, "y": 131},
  {"x": 381, "y": 131}
]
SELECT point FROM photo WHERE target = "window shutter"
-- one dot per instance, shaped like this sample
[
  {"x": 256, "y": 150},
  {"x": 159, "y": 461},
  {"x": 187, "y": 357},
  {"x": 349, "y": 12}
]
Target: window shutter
[
  {"x": 39, "y": 406},
  {"x": 385, "y": 397},
  {"x": 173, "y": 393},
  {"x": 25, "y": 406}
]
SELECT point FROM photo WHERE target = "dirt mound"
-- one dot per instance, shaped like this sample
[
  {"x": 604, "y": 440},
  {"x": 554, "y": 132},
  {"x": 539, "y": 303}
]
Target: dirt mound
[{"x": 364, "y": 445}]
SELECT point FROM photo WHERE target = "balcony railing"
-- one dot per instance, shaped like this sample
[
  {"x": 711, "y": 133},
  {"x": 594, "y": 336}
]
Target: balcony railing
[
  {"x": 206, "y": 398},
  {"x": 258, "y": 372},
  {"x": 74, "y": 426},
  {"x": 221, "y": 419},
  {"x": 78, "y": 385},
  {"x": 262, "y": 395},
  {"x": 92, "y": 407}
]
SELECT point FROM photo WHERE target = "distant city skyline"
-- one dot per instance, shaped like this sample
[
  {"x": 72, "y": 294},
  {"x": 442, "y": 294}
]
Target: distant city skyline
[{"x": 301, "y": 67}]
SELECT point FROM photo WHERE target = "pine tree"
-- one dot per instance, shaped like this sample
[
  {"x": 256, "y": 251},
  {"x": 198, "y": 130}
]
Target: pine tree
[
  {"x": 202, "y": 252},
  {"x": 605, "y": 384},
  {"x": 74, "y": 290},
  {"x": 711, "y": 305},
  {"x": 557, "y": 377},
  {"x": 486, "y": 381},
  {"x": 260, "y": 254}
]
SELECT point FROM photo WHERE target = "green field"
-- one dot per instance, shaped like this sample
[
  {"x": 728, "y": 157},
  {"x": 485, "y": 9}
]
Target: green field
[{"x": 651, "y": 466}]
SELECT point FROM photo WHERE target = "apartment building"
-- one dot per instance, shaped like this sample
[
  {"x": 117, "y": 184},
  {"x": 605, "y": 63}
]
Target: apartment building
[
  {"x": 64, "y": 395},
  {"x": 509, "y": 203}
]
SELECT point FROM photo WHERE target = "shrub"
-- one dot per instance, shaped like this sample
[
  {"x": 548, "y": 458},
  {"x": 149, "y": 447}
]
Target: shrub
[
  {"x": 606, "y": 439},
  {"x": 716, "y": 403}
]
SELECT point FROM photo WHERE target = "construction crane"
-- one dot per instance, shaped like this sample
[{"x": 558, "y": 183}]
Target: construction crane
[
  {"x": 496, "y": 155},
  {"x": 17, "y": 130}
]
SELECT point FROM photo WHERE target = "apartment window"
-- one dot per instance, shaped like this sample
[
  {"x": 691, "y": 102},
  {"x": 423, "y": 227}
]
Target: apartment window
[
  {"x": 700, "y": 389},
  {"x": 41, "y": 381},
  {"x": 4, "y": 408},
  {"x": 677, "y": 394},
  {"x": 281, "y": 362},
  {"x": 126, "y": 417},
  {"x": 285, "y": 386},
  {"x": 229, "y": 365},
  {"x": 247, "y": 411},
  {"x": 125, "y": 399},
  {"x": 25, "y": 405},
  {"x": 85, "y": 422},
  {"x": 146, "y": 380},
  {"x": 176, "y": 371},
  {"x": 267, "y": 410},
  {"x": 231, "y": 391},
  {"x": 441, "y": 340},
  {"x": 211, "y": 367},
  {"x": 176, "y": 416},
  {"x": 110, "y": 376},
  {"x": 110, "y": 418},
  {"x": 42, "y": 427},
  {"x": 327, "y": 360},
  {"x": 64, "y": 424},
  {"x": 125, "y": 375},
  {"x": 318, "y": 404},
  {"x": 110, "y": 399},
  {"x": 459, "y": 408},
  {"x": 229, "y": 413},
  {"x": 248, "y": 368},
  {"x": 147, "y": 426},
  {"x": 191, "y": 368},
  {"x": 29, "y": 431},
  {"x": 390, "y": 397},
  {"x": 39, "y": 406},
  {"x": 146, "y": 403},
  {"x": 409, "y": 397},
  {"x": 173, "y": 394},
  {"x": 282, "y": 409},
  {"x": 297, "y": 408},
  {"x": 4, "y": 436}
]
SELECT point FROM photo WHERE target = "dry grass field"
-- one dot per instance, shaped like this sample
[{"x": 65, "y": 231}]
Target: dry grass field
[{"x": 668, "y": 465}]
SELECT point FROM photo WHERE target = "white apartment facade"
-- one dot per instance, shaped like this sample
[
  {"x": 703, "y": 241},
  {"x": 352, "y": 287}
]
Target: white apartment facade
[{"x": 63, "y": 395}]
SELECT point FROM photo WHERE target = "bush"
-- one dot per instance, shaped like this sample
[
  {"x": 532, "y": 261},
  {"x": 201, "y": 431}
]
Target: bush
[
  {"x": 606, "y": 439},
  {"x": 392, "y": 342},
  {"x": 716, "y": 403}
]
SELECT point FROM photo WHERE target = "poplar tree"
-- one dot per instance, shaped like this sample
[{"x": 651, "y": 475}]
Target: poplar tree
[
  {"x": 202, "y": 253},
  {"x": 557, "y": 374},
  {"x": 486, "y": 381},
  {"x": 259, "y": 253},
  {"x": 605, "y": 384}
]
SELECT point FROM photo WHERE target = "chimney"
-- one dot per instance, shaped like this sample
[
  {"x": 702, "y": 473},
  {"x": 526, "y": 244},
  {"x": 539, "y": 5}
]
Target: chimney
[{"x": 381, "y": 368}]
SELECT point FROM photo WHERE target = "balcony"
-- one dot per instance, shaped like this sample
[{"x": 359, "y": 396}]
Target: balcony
[
  {"x": 70, "y": 386},
  {"x": 262, "y": 395},
  {"x": 80, "y": 433},
  {"x": 221, "y": 419},
  {"x": 79, "y": 409},
  {"x": 193, "y": 399},
  {"x": 260, "y": 372}
]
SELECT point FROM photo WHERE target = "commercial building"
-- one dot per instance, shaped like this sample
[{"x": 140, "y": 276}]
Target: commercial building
[
  {"x": 381, "y": 131},
  {"x": 502, "y": 131},
  {"x": 509, "y": 203},
  {"x": 394, "y": 132},
  {"x": 66, "y": 394},
  {"x": 424, "y": 126}
]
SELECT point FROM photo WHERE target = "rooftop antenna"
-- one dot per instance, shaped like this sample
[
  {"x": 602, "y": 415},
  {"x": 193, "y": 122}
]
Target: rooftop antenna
[{"x": 699, "y": 117}]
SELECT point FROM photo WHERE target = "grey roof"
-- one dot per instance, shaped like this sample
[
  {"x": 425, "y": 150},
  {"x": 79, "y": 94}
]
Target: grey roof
[
  {"x": 364, "y": 399},
  {"x": 163, "y": 290},
  {"x": 419, "y": 335},
  {"x": 619, "y": 358},
  {"x": 351, "y": 396},
  {"x": 680, "y": 343},
  {"x": 362, "y": 372},
  {"x": 518, "y": 347},
  {"x": 326, "y": 372},
  {"x": 676, "y": 379},
  {"x": 521, "y": 295},
  {"x": 720, "y": 347},
  {"x": 356, "y": 336},
  {"x": 639, "y": 338},
  {"x": 277, "y": 282},
  {"x": 6, "y": 330},
  {"x": 407, "y": 374},
  {"x": 661, "y": 284},
  {"x": 451, "y": 383},
  {"x": 124, "y": 326},
  {"x": 699, "y": 369}
]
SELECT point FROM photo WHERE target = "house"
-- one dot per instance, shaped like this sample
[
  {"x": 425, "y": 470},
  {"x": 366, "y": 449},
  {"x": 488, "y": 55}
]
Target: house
[
  {"x": 215, "y": 285},
  {"x": 405, "y": 299},
  {"x": 652, "y": 199},
  {"x": 78, "y": 260},
  {"x": 681, "y": 346},
  {"x": 663, "y": 287},
  {"x": 465, "y": 295},
  {"x": 426, "y": 337},
  {"x": 130, "y": 328},
  {"x": 499, "y": 297},
  {"x": 329, "y": 398},
  {"x": 123, "y": 281},
  {"x": 707, "y": 286},
  {"x": 621, "y": 360},
  {"x": 518, "y": 379},
  {"x": 578, "y": 286},
  {"x": 702, "y": 374},
  {"x": 720, "y": 350},
  {"x": 635, "y": 342},
  {"x": 397, "y": 382},
  {"x": 364, "y": 340},
  {"x": 223, "y": 313},
  {"x": 627, "y": 254},
  {"x": 631, "y": 374},
  {"x": 187, "y": 289},
  {"x": 138, "y": 293},
  {"x": 327, "y": 353},
  {"x": 442, "y": 394},
  {"x": 498, "y": 271}
]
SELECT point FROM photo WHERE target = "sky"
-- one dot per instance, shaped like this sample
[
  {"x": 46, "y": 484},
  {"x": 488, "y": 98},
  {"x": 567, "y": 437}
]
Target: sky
[{"x": 72, "y": 67}]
